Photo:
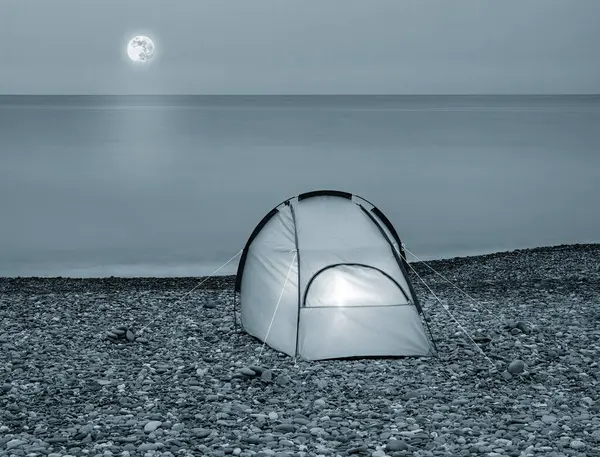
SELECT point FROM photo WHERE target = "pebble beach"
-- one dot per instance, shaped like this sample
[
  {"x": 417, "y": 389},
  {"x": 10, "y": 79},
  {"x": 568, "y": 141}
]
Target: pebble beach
[{"x": 148, "y": 367}]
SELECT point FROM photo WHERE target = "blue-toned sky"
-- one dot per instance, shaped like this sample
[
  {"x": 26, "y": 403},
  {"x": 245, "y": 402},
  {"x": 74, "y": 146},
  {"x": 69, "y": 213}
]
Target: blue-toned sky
[{"x": 301, "y": 46}]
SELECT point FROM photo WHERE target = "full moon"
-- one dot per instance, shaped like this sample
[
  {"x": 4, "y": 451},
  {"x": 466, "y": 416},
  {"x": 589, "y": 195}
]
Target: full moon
[{"x": 140, "y": 49}]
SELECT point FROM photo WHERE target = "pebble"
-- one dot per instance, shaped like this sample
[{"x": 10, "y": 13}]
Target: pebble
[
  {"x": 516, "y": 367},
  {"x": 396, "y": 445},
  {"x": 320, "y": 403},
  {"x": 247, "y": 372},
  {"x": 152, "y": 426},
  {"x": 267, "y": 376},
  {"x": 12, "y": 444},
  {"x": 201, "y": 432}
]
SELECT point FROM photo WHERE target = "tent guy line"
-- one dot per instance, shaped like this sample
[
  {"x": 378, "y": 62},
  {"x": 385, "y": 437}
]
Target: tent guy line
[
  {"x": 447, "y": 280},
  {"x": 278, "y": 303},
  {"x": 495, "y": 368},
  {"x": 188, "y": 293}
]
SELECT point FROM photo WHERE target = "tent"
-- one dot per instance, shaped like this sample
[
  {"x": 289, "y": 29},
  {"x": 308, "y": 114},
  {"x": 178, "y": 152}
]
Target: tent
[{"x": 324, "y": 276}]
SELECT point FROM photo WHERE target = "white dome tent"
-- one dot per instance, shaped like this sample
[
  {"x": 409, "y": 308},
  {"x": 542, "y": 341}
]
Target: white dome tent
[{"x": 324, "y": 276}]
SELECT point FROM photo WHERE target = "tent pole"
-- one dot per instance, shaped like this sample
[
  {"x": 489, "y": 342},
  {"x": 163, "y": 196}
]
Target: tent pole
[
  {"x": 235, "y": 312},
  {"x": 299, "y": 289},
  {"x": 430, "y": 333}
]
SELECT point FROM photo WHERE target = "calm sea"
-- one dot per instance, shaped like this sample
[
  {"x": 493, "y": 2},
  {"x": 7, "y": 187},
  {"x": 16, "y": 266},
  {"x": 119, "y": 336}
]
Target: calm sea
[{"x": 161, "y": 186}]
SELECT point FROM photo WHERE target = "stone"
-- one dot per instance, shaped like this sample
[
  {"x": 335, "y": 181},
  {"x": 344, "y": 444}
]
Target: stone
[
  {"x": 284, "y": 428},
  {"x": 257, "y": 369},
  {"x": 248, "y": 372},
  {"x": 577, "y": 444},
  {"x": 549, "y": 419},
  {"x": 516, "y": 367},
  {"x": 267, "y": 376},
  {"x": 200, "y": 432},
  {"x": 396, "y": 445},
  {"x": 152, "y": 426},
  {"x": 12, "y": 444},
  {"x": 320, "y": 403},
  {"x": 283, "y": 380},
  {"x": 523, "y": 327}
]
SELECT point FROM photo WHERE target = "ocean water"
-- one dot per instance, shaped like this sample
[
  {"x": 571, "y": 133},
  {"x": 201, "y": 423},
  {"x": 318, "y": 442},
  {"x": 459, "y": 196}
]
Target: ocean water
[{"x": 163, "y": 186}]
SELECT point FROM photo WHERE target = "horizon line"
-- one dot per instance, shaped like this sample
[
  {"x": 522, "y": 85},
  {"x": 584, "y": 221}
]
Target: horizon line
[{"x": 311, "y": 95}]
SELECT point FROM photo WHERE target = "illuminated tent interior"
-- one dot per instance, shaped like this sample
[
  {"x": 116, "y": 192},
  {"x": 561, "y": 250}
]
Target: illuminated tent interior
[{"x": 323, "y": 276}]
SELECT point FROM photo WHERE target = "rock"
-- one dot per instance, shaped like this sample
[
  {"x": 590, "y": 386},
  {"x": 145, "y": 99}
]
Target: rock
[
  {"x": 588, "y": 401},
  {"x": 320, "y": 403},
  {"x": 267, "y": 376},
  {"x": 507, "y": 376},
  {"x": 12, "y": 444},
  {"x": 577, "y": 444},
  {"x": 130, "y": 336},
  {"x": 152, "y": 426},
  {"x": 258, "y": 370},
  {"x": 247, "y": 372},
  {"x": 523, "y": 327},
  {"x": 283, "y": 380},
  {"x": 316, "y": 431},
  {"x": 210, "y": 305},
  {"x": 396, "y": 445},
  {"x": 285, "y": 428},
  {"x": 200, "y": 432},
  {"x": 482, "y": 339},
  {"x": 549, "y": 419},
  {"x": 516, "y": 367}
]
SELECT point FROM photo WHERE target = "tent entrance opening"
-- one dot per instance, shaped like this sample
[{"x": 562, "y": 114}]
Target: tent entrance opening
[{"x": 353, "y": 285}]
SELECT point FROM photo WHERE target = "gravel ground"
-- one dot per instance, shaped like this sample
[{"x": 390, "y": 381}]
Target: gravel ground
[{"x": 183, "y": 386}]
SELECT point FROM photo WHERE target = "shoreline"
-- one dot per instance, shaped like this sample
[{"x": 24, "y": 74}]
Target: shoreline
[{"x": 224, "y": 281}]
